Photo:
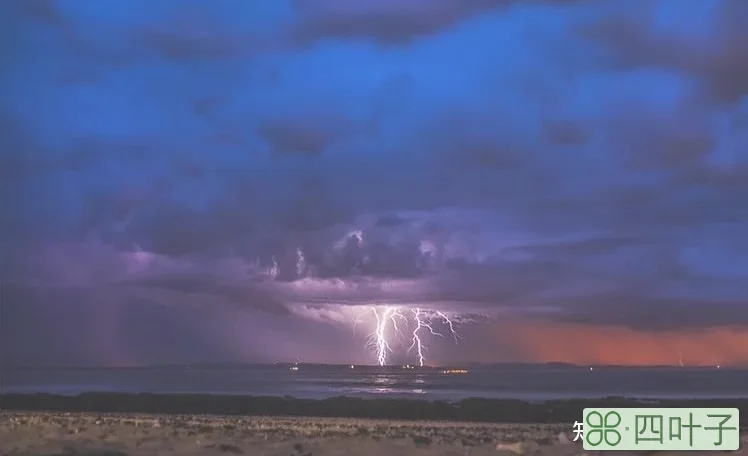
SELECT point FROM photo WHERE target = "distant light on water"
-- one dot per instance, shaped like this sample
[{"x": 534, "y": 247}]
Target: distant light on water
[
  {"x": 534, "y": 383},
  {"x": 455, "y": 371}
]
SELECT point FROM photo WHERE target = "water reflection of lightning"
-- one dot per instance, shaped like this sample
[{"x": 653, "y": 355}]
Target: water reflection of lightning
[{"x": 381, "y": 339}]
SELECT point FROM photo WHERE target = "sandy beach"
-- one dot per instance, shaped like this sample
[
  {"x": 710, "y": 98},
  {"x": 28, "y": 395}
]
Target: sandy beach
[
  {"x": 23, "y": 433},
  {"x": 96, "y": 434},
  {"x": 117, "y": 424}
]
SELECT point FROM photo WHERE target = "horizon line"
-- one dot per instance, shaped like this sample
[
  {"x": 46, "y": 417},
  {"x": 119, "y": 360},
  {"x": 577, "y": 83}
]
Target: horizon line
[{"x": 348, "y": 365}]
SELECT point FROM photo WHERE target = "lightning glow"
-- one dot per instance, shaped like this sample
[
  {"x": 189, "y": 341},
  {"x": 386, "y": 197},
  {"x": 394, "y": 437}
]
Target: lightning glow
[
  {"x": 300, "y": 262},
  {"x": 274, "y": 269},
  {"x": 417, "y": 344},
  {"x": 449, "y": 324},
  {"x": 380, "y": 335},
  {"x": 388, "y": 317}
]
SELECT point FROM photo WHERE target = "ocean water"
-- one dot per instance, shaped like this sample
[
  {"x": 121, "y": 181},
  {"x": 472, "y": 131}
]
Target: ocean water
[{"x": 535, "y": 383}]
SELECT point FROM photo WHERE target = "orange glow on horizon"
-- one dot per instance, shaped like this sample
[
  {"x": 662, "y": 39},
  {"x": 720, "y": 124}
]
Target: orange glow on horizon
[{"x": 618, "y": 345}]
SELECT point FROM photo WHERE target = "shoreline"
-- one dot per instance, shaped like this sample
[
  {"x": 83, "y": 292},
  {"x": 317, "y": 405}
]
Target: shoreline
[{"x": 479, "y": 410}]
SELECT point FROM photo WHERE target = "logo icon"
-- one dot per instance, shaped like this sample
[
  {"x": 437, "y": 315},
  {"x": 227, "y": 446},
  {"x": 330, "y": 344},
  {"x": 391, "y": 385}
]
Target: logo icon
[
  {"x": 659, "y": 429},
  {"x": 602, "y": 428}
]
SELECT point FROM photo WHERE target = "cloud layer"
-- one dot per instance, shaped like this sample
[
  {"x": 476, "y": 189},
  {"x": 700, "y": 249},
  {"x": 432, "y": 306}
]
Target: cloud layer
[{"x": 567, "y": 163}]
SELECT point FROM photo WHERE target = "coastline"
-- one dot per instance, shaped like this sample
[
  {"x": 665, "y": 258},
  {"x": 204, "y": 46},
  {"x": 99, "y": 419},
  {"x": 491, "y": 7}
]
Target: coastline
[{"x": 466, "y": 410}]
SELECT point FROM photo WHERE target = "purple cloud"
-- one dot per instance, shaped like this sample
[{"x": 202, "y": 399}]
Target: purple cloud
[{"x": 265, "y": 165}]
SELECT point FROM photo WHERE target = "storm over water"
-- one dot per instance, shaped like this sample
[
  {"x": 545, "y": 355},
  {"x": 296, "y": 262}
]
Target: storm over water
[{"x": 534, "y": 383}]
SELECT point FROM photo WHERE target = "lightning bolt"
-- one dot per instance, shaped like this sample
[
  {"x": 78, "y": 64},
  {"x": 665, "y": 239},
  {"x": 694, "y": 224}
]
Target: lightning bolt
[
  {"x": 421, "y": 323},
  {"x": 416, "y": 338},
  {"x": 380, "y": 334},
  {"x": 449, "y": 323},
  {"x": 381, "y": 338}
]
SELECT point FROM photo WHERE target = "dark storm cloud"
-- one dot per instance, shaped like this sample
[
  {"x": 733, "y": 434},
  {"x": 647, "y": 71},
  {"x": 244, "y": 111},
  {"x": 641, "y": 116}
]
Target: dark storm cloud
[
  {"x": 299, "y": 136},
  {"x": 43, "y": 10},
  {"x": 198, "y": 46},
  {"x": 246, "y": 297},
  {"x": 627, "y": 309},
  {"x": 390, "y": 22},
  {"x": 556, "y": 161},
  {"x": 710, "y": 48},
  {"x": 565, "y": 132},
  {"x": 668, "y": 141},
  {"x": 387, "y": 21}
]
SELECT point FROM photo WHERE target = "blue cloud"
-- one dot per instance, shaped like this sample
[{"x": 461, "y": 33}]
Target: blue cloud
[{"x": 494, "y": 156}]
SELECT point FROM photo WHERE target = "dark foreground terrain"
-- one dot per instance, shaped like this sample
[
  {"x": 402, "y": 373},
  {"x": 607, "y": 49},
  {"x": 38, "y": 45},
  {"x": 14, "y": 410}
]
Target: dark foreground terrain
[
  {"x": 144, "y": 424},
  {"x": 89, "y": 434},
  {"x": 472, "y": 410}
]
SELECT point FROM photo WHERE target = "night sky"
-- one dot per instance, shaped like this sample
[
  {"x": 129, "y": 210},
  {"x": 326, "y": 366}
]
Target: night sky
[{"x": 192, "y": 181}]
